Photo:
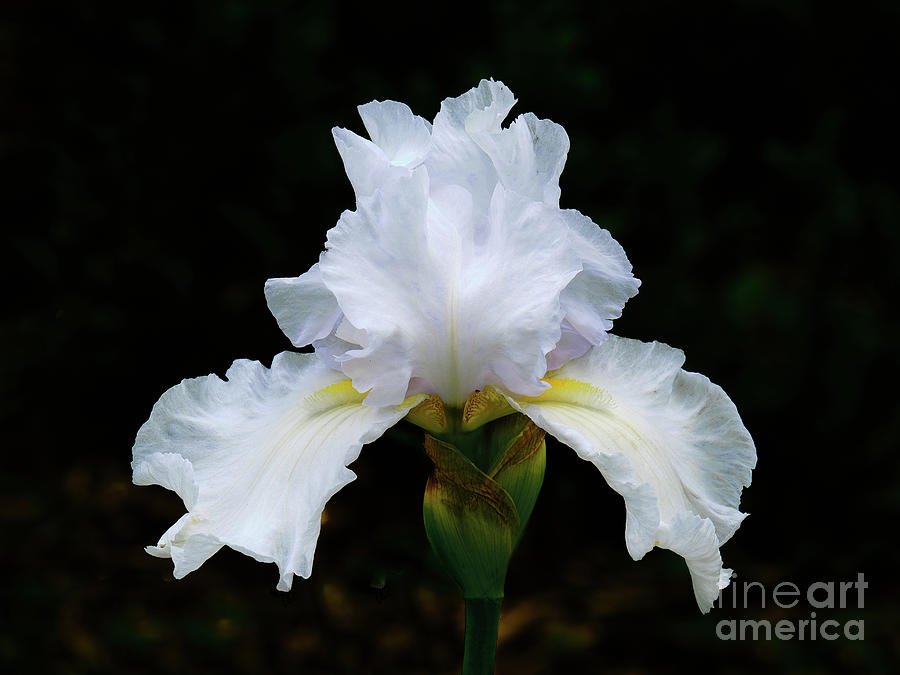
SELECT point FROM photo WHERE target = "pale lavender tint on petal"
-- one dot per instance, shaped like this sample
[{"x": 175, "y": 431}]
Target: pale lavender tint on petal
[{"x": 571, "y": 345}]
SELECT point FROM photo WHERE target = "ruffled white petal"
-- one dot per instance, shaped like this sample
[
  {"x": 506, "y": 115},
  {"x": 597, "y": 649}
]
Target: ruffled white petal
[
  {"x": 456, "y": 159},
  {"x": 443, "y": 299},
  {"x": 473, "y": 151},
  {"x": 255, "y": 457},
  {"x": 366, "y": 164},
  {"x": 599, "y": 293},
  {"x": 670, "y": 441},
  {"x": 694, "y": 539},
  {"x": 303, "y": 306},
  {"x": 400, "y": 142},
  {"x": 528, "y": 156},
  {"x": 404, "y": 138}
]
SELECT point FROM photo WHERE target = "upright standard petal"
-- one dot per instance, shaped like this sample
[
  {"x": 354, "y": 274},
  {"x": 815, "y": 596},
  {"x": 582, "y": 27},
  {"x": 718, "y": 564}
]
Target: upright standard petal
[
  {"x": 461, "y": 272},
  {"x": 669, "y": 441},
  {"x": 400, "y": 141},
  {"x": 456, "y": 159},
  {"x": 472, "y": 150},
  {"x": 452, "y": 300},
  {"x": 404, "y": 138},
  {"x": 528, "y": 156},
  {"x": 255, "y": 457}
]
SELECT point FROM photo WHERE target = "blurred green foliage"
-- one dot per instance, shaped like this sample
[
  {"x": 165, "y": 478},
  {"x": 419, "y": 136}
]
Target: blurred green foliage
[{"x": 161, "y": 161}]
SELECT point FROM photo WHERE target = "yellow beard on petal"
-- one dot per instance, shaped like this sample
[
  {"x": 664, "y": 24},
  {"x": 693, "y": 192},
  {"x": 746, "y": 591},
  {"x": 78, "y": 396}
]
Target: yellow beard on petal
[
  {"x": 340, "y": 392},
  {"x": 344, "y": 393},
  {"x": 572, "y": 391}
]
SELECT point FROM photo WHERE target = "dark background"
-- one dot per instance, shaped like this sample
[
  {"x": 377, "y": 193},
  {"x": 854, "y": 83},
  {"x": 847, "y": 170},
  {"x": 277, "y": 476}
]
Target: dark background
[{"x": 161, "y": 162}]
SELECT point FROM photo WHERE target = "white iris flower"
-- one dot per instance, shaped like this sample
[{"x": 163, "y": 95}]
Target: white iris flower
[{"x": 457, "y": 272}]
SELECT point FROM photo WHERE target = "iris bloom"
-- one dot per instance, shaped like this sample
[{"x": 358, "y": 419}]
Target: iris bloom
[{"x": 457, "y": 273}]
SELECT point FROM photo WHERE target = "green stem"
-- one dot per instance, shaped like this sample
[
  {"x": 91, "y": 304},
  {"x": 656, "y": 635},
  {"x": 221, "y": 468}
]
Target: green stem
[{"x": 482, "y": 621}]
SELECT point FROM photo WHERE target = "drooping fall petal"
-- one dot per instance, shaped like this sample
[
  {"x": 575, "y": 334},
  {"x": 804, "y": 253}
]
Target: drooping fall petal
[
  {"x": 669, "y": 441},
  {"x": 255, "y": 457}
]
